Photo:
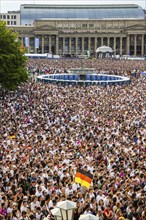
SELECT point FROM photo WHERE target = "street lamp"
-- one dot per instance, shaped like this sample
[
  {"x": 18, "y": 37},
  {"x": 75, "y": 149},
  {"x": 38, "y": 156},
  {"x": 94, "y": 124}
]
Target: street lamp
[
  {"x": 56, "y": 213},
  {"x": 66, "y": 208}
]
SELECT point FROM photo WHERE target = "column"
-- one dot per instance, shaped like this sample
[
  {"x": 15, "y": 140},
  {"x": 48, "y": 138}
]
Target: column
[
  {"x": 95, "y": 46},
  {"x": 135, "y": 45},
  {"x": 114, "y": 45},
  {"x": 21, "y": 39},
  {"x": 28, "y": 45},
  {"x": 142, "y": 45},
  {"x": 69, "y": 45},
  {"x": 108, "y": 41},
  {"x": 89, "y": 45},
  {"x": 128, "y": 44},
  {"x": 50, "y": 45},
  {"x": 82, "y": 45},
  {"x": 76, "y": 45},
  {"x": 101, "y": 41},
  {"x": 35, "y": 49},
  {"x": 57, "y": 43},
  {"x": 42, "y": 44},
  {"x": 121, "y": 45},
  {"x": 48, "y": 42},
  {"x": 63, "y": 46}
]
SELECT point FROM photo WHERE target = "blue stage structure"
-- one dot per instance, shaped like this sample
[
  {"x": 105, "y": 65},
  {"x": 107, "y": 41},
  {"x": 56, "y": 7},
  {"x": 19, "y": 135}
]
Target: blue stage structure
[
  {"x": 143, "y": 74},
  {"x": 87, "y": 79}
]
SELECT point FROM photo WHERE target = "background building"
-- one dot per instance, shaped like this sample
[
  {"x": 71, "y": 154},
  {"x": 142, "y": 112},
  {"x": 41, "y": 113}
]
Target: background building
[
  {"x": 11, "y": 17},
  {"x": 31, "y": 12},
  {"x": 72, "y": 30}
]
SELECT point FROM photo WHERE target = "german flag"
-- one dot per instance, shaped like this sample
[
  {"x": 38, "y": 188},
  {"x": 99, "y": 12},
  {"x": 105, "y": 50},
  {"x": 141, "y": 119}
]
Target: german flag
[
  {"x": 12, "y": 136},
  {"x": 84, "y": 178}
]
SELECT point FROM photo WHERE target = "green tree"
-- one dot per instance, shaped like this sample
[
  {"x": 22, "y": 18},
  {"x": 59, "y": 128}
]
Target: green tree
[{"x": 12, "y": 59}]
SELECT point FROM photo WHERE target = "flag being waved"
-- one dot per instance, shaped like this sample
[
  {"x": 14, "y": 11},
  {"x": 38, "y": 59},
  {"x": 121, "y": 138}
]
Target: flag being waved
[
  {"x": 84, "y": 178},
  {"x": 12, "y": 136}
]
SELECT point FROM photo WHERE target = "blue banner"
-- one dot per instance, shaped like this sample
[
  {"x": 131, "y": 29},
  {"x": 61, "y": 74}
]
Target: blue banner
[{"x": 26, "y": 42}]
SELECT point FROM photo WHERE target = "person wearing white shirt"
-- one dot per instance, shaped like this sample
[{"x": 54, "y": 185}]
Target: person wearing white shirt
[
  {"x": 34, "y": 203},
  {"x": 23, "y": 206},
  {"x": 75, "y": 186},
  {"x": 69, "y": 190},
  {"x": 64, "y": 174},
  {"x": 39, "y": 191},
  {"x": 100, "y": 196}
]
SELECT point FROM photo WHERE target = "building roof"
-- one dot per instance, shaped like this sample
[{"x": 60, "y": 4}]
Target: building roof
[{"x": 119, "y": 11}]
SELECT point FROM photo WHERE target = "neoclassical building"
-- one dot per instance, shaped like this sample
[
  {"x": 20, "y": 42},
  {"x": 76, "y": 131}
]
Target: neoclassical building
[{"x": 72, "y": 30}]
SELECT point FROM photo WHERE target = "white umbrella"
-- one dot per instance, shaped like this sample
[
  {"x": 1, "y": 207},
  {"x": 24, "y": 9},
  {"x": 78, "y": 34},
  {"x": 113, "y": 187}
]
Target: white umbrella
[
  {"x": 104, "y": 49},
  {"x": 88, "y": 217}
]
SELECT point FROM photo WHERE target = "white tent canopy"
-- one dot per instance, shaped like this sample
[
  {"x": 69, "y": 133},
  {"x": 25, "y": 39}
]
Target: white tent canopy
[
  {"x": 88, "y": 217},
  {"x": 104, "y": 49}
]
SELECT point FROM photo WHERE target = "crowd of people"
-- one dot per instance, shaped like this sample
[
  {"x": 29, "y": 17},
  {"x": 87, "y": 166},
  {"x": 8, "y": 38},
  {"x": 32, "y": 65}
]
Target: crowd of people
[
  {"x": 110, "y": 66},
  {"x": 48, "y": 131}
]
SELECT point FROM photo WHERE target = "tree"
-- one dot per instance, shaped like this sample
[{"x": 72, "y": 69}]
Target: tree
[{"x": 12, "y": 59}]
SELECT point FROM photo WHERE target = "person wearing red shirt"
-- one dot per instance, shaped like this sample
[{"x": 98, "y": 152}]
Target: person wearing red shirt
[{"x": 108, "y": 214}]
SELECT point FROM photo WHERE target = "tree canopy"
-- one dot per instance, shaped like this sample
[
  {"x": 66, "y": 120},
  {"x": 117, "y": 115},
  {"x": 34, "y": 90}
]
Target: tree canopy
[{"x": 12, "y": 59}]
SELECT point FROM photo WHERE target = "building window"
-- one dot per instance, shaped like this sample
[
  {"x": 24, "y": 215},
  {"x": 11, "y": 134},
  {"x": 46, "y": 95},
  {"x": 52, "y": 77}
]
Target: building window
[
  {"x": 4, "y": 16},
  {"x": 91, "y": 25},
  {"x": 84, "y": 25},
  {"x": 14, "y": 22},
  {"x": 14, "y": 16},
  {"x": 11, "y": 16},
  {"x": 8, "y": 16},
  {"x": 8, "y": 22}
]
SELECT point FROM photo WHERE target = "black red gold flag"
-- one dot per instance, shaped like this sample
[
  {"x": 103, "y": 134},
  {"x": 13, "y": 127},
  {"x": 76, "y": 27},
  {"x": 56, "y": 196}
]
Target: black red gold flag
[{"x": 84, "y": 178}]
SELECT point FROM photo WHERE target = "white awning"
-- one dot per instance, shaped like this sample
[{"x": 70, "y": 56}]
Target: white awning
[{"x": 104, "y": 49}]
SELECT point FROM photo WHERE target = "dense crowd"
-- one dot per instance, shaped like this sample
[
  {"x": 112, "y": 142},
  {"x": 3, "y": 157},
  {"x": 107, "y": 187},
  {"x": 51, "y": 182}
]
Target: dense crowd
[
  {"x": 49, "y": 131},
  {"x": 110, "y": 66}
]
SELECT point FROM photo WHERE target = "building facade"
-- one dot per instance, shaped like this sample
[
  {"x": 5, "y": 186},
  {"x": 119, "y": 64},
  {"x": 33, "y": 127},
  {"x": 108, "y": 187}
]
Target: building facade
[
  {"x": 69, "y": 30},
  {"x": 11, "y": 17}
]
